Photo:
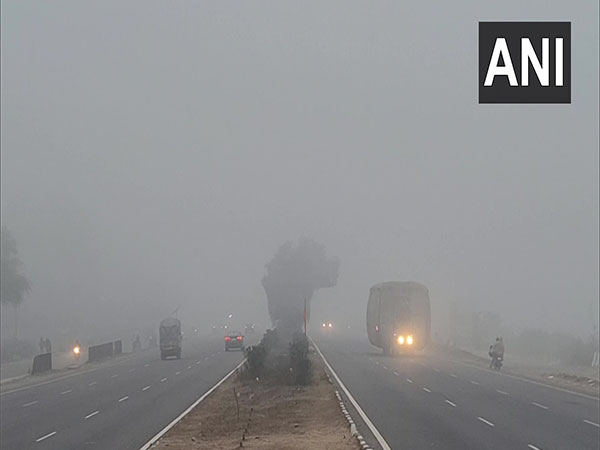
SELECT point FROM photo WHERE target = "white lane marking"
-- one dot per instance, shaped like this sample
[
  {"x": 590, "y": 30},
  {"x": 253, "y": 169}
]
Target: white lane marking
[
  {"x": 146, "y": 365},
  {"x": 93, "y": 383},
  {"x": 65, "y": 392},
  {"x": 122, "y": 399},
  {"x": 90, "y": 415},
  {"x": 163, "y": 380},
  {"x": 396, "y": 373},
  {"x": 539, "y": 405},
  {"x": 475, "y": 383},
  {"x": 30, "y": 403},
  {"x": 425, "y": 389},
  {"x": 591, "y": 423},
  {"x": 504, "y": 374},
  {"x": 385, "y": 367},
  {"x": 114, "y": 376},
  {"x": 451, "y": 404},
  {"x": 149, "y": 444},
  {"x": 146, "y": 388},
  {"x": 45, "y": 436},
  {"x": 502, "y": 392},
  {"x": 409, "y": 380},
  {"x": 362, "y": 414},
  {"x": 189, "y": 367},
  {"x": 177, "y": 373},
  {"x": 453, "y": 375},
  {"x": 197, "y": 362},
  {"x": 487, "y": 422},
  {"x": 533, "y": 447}
]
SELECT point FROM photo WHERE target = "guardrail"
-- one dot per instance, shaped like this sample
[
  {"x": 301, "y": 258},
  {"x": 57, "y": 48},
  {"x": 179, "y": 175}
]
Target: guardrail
[
  {"x": 102, "y": 351},
  {"x": 42, "y": 363}
]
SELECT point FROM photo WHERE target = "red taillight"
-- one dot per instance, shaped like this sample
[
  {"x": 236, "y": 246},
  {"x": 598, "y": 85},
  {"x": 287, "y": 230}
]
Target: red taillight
[
  {"x": 227, "y": 338},
  {"x": 239, "y": 338}
]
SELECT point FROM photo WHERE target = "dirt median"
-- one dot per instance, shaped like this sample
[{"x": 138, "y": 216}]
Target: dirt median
[{"x": 270, "y": 417}]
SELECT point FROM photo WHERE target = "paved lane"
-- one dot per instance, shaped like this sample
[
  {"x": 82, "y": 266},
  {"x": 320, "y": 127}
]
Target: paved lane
[
  {"x": 119, "y": 406},
  {"x": 433, "y": 401}
]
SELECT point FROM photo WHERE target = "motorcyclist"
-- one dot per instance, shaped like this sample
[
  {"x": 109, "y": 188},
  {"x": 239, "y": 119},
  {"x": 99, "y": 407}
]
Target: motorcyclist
[{"x": 496, "y": 351}]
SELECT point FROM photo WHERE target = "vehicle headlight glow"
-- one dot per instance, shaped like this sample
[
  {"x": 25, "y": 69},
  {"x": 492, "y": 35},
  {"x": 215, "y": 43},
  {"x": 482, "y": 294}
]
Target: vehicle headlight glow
[
  {"x": 330, "y": 325},
  {"x": 401, "y": 340},
  {"x": 76, "y": 350},
  {"x": 409, "y": 340},
  {"x": 324, "y": 325}
]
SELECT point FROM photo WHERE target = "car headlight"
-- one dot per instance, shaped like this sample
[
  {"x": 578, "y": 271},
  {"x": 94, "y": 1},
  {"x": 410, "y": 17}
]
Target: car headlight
[
  {"x": 401, "y": 340},
  {"x": 409, "y": 340}
]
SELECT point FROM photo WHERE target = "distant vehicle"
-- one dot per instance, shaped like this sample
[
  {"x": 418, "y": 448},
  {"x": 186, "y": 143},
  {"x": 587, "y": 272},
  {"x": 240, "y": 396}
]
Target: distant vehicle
[
  {"x": 234, "y": 340},
  {"x": 327, "y": 327},
  {"x": 250, "y": 328},
  {"x": 170, "y": 338},
  {"x": 399, "y": 316}
]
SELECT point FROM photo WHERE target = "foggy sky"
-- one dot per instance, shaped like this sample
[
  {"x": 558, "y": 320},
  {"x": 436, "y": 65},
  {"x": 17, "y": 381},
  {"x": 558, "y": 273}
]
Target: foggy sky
[{"x": 155, "y": 155}]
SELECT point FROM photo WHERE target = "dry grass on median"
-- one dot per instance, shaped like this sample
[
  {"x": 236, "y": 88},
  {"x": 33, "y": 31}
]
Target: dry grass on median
[{"x": 275, "y": 417}]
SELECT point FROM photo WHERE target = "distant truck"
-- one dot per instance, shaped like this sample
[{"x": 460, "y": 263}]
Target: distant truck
[
  {"x": 399, "y": 316},
  {"x": 170, "y": 338}
]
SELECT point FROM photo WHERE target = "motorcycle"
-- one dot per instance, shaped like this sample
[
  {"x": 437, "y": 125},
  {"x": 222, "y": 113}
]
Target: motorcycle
[
  {"x": 77, "y": 352},
  {"x": 496, "y": 362}
]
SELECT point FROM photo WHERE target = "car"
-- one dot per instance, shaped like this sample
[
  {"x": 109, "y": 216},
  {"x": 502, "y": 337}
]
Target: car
[
  {"x": 234, "y": 340},
  {"x": 327, "y": 327},
  {"x": 250, "y": 328}
]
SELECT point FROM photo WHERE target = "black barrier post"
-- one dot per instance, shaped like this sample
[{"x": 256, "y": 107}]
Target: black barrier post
[{"x": 42, "y": 363}]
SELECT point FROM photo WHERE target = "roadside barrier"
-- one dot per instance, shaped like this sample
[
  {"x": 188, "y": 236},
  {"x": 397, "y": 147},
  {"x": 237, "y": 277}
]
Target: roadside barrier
[
  {"x": 97, "y": 352},
  {"x": 118, "y": 349},
  {"x": 42, "y": 363}
]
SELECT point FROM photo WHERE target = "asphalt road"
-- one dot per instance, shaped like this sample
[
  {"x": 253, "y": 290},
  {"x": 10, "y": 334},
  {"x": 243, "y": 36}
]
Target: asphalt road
[
  {"x": 117, "y": 406},
  {"x": 433, "y": 401}
]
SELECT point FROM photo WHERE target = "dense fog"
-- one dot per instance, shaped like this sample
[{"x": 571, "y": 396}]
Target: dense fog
[{"x": 156, "y": 155}]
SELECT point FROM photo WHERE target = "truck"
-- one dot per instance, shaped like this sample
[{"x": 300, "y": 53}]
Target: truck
[
  {"x": 170, "y": 338},
  {"x": 399, "y": 316}
]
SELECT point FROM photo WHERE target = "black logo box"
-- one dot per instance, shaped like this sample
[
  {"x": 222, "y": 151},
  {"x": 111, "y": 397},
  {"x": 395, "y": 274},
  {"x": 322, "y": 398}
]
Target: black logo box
[{"x": 501, "y": 91}]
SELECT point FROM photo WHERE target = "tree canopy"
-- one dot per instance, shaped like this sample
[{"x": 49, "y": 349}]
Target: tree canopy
[
  {"x": 14, "y": 284},
  {"x": 293, "y": 275}
]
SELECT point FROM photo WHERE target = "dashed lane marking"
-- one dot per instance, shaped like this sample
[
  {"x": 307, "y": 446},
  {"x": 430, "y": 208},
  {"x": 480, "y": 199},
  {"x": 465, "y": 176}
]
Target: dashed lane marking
[
  {"x": 93, "y": 383},
  {"x": 451, "y": 404},
  {"x": 453, "y": 375},
  {"x": 90, "y": 415},
  {"x": 122, "y": 399},
  {"x": 533, "y": 447},
  {"x": 589, "y": 422},
  {"x": 475, "y": 383},
  {"x": 146, "y": 388},
  {"x": 487, "y": 422},
  {"x": 177, "y": 373},
  {"x": 114, "y": 376},
  {"x": 409, "y": 380},
  {"x": 539, "y": 405},
  {"x": 65, "y": 392},
  {"x": 45, "y": 436},
  {"x": 30, "y": 403},
  {"x": 396, "y": 373},
  {"x": 502, "y": 392},
  {"x": 163, "y": 380},
  {"x": 425, "y": 389}
]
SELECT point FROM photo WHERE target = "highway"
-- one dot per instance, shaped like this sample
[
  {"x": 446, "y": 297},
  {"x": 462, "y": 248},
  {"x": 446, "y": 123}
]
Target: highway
[
  {"x": 118, "y": 405},
  {"x": 435, "y": 401}
]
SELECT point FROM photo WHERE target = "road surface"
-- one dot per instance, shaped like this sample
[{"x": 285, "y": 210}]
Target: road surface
[
  {"x": 433, "y": 401},
  {"x": 117, "y": 406}
]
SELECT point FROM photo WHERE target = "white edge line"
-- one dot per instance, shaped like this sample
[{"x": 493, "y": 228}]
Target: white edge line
[
  {"x": 526, "y": 380},
  {"x": 148, "y": 444},
  {"x": 589, "y": 422},
  {"x": 362, "y": 414},
  {"x": 45, "y": 437}
]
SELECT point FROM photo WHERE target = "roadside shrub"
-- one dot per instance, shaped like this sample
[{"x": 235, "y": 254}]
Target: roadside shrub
[
  {"x": 300, "y": 366},
  {"x": 256, "y": 356}
]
